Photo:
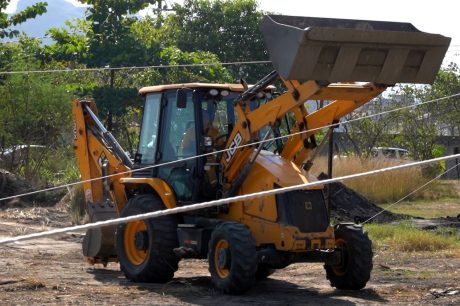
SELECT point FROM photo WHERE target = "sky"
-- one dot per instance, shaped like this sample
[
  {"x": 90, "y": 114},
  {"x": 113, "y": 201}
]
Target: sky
[
  {"x": 14, "y": 3},
  {"x": 429, "y": 16},
  {"x": 440, "y": 17}
]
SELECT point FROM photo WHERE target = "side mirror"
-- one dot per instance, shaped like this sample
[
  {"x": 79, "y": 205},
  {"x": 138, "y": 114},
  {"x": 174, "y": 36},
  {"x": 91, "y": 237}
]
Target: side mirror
[{"x": 181, "y": 98}]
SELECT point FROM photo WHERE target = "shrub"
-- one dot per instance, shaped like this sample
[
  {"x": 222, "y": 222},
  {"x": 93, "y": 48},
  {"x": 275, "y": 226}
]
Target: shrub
[{"x": 77, "y": 206}]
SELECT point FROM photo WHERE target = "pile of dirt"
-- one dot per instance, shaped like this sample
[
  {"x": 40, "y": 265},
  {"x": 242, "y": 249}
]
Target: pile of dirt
[
  {"x": 432, "y": 224},
  {"x": 10, "y": 185},
  {"x": 451, "y": 221},
  {"x": 347, "y": 205}
]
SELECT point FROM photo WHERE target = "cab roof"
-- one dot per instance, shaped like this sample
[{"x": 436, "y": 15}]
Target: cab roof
[{"x": 229, "y": 87}]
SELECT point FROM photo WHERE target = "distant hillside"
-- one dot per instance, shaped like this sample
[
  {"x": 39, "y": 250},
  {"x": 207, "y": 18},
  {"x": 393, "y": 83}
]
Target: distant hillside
[{"x": 58, "y": 12}]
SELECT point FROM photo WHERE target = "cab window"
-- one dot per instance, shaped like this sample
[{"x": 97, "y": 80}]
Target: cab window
[
  {"x": 179, "y": 139},
  {"x": 149, "y": 131}
]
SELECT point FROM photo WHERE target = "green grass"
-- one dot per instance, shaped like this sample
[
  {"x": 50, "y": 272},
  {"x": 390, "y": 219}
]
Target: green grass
[
  {"x": 404, "y": 237},
  {"x": 426, "y": 208}
]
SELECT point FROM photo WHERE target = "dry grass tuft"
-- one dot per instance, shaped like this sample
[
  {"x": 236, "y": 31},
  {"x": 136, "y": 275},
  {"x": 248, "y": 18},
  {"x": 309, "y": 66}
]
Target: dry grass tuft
[
  {"x": 32, "y": 284},
  {"x": 77, "y": 206},
  {"x": 34, "y": 215},
  {"x": 383, "y": 187}
]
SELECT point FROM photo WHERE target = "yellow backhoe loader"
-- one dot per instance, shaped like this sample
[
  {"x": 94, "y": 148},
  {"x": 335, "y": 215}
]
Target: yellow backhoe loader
[{"x": 346, "y": 62}]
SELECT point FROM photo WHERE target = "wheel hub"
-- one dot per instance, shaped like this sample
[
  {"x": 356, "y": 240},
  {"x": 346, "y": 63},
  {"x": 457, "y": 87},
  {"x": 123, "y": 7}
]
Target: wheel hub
[
  {"x": 223, "y": 259},
  {"x": 341, "y": 268},
  {"x": 141, "y": 241}
]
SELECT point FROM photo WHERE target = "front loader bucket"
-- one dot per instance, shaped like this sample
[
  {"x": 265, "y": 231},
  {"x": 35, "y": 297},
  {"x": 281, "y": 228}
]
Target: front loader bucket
[{"x": 341, "y": 50}]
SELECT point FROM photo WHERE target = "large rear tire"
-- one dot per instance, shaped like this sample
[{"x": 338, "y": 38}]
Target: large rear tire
[
  {"x": 355, "y": 268},
  {"x": 145, "y": 247},
  {"x": 232, "y": 258}
]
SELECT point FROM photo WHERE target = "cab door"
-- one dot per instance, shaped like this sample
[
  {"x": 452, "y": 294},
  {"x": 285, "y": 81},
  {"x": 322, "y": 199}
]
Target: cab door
[{"x": 179, "y": 142}]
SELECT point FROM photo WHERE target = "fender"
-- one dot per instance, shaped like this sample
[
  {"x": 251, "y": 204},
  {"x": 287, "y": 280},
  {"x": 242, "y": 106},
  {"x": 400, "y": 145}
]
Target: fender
[{"x": 161, "y": 187}]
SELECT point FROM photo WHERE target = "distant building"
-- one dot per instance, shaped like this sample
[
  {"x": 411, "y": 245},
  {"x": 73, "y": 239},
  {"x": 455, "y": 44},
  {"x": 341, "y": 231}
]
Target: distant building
[{"x": 452, "y": 145}]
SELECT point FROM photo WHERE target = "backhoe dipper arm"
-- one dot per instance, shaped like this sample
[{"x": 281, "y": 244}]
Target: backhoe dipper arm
[{"x": 98, "y": 154}]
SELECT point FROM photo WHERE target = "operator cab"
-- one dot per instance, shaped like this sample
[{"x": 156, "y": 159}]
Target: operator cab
[{"x": 184, "y": 120}]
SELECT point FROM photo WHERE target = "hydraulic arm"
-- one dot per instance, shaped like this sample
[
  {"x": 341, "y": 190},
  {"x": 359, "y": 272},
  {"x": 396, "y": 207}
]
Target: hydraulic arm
[
  {"x": 326, "y": 59},
  {"x": 99, "y": 155}
]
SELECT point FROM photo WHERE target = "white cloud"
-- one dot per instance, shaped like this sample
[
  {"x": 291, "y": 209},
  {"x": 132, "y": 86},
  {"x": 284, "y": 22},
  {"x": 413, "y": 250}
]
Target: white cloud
[
  {"x": 77, "y": 3},
  {"x": 12, "y": 7}
]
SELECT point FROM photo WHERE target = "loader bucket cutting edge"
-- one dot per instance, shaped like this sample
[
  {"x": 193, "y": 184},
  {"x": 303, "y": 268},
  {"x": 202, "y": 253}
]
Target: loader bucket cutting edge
[{"x": 345, "y": 50}]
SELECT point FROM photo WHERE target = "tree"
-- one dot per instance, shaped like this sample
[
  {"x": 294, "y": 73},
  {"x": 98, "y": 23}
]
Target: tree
[
  {"x": 104, "y": 39},
  {"x": 420, "y": 126},
  {"x": 71, "y": 43},
  {"x": 229, "y": 29},
  {"x": 110, "y": 40},
  {"x": 6, "y": 22},
  {"x": 447, "y": 112},
  {"x": 111, "y": 43},
  {"x": 414, "y": 128},
  {"x": 35, "y": 112},
  {"x": 365, "y": 134},
  {"x": 112, "y": 36}
]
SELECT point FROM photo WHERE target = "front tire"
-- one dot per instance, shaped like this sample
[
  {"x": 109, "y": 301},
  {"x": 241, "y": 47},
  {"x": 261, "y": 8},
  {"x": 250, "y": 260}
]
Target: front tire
[
  {"x": 232, "y": 258},
  {"x": 355, "y": 268},
  {"x": 145, "y": 247}
]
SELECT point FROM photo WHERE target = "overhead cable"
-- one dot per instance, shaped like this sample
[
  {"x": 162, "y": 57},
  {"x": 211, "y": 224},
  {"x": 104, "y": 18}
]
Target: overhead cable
[
  {"x": 134, "y": 67},
  {"x": 214, "y": 203},
  {"x": 225, "y": 150}
]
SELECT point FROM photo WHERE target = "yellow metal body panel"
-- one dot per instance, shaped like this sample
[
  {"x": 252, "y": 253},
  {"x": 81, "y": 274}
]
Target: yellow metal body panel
[
  {"x": 260, "y": 214},
  {"x": 266, "y": 115}
]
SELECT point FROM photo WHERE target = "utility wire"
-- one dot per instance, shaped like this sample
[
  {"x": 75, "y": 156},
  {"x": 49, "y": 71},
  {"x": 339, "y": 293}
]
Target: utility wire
[
  {"x": 134, "y": 67},
  {"x": 214, "y": 203},
  {"x": 225, "y": 150}
]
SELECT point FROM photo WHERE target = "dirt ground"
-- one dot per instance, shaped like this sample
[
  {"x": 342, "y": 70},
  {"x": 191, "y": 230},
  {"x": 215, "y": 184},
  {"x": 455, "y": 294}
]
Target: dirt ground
[{"x": 53, "y": 271}]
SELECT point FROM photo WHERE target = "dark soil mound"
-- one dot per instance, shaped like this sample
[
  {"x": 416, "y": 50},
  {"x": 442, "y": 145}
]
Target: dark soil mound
[
  {"x": 451, "y": 221},
  {"x": 431, "y": 224},
  {"x": 10, "y": 185},
  {"x": 347, "y": 205}
]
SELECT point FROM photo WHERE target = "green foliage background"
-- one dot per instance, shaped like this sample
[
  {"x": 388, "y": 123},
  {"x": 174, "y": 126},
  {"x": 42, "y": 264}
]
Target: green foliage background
[{"x": 35, "y": 107}]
